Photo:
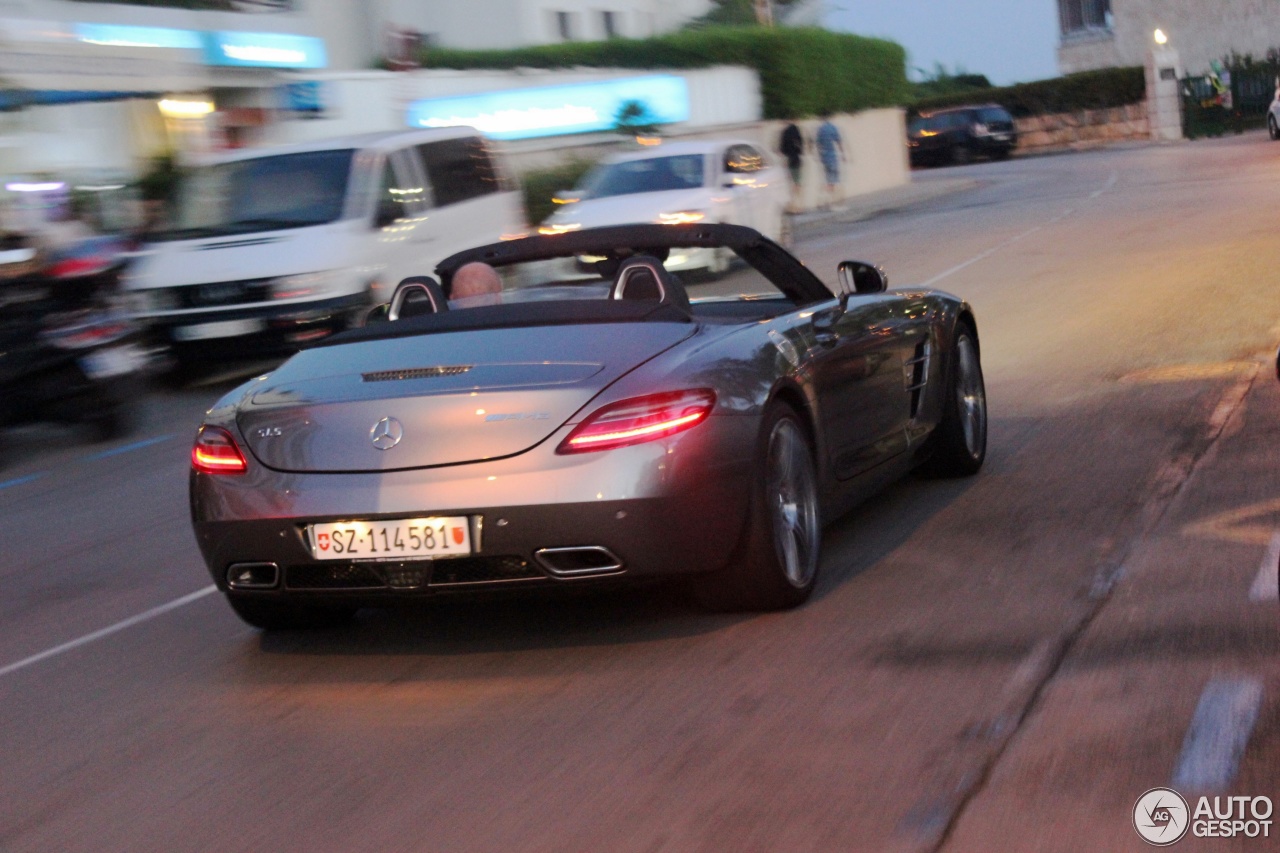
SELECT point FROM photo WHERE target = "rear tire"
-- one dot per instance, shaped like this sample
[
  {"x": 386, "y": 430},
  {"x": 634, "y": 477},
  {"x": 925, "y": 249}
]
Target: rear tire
[
  {"x": 1272, "y": 127},
  {"x": 285, "y": 616},
  {"x": 775, "y": 564},
  {"x": 960, "y": 441}
]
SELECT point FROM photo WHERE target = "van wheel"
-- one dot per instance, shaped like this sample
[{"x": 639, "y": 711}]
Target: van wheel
[{"x": 1272, "y": 127}]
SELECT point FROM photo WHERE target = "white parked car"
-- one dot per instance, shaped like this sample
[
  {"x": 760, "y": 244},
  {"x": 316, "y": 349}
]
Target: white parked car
[{"x": 725, "y": 182}]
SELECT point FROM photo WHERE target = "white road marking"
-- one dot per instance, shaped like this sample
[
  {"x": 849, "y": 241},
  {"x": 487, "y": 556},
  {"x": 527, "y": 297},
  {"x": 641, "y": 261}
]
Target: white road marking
[
  {"x": 1266, "y": 586},
  {"x": 1219, "y": 733},
  {"x": 980, "y": 256},
  {"x": 1111, "y": 182},
  {"x": 109, "y": 630}
]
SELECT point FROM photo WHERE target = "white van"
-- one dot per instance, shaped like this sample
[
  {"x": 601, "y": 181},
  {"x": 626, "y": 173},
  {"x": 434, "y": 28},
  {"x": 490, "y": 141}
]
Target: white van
[{"x": 273, "y": 248}]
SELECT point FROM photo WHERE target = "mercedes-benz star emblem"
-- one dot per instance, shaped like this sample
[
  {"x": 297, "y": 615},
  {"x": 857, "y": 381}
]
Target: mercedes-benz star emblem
[{"x": 386, "y": 433}]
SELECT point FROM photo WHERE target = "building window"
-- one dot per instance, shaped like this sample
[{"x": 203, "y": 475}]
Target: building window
[
  {"x": 610, "y": 22},
  {"x": 564, "y": 25},
  {"x": 1083, "y": 16}
]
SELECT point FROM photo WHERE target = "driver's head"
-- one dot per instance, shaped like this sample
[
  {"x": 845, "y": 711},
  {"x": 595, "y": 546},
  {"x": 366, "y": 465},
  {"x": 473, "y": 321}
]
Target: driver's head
[{"x": 477, "y": 283}]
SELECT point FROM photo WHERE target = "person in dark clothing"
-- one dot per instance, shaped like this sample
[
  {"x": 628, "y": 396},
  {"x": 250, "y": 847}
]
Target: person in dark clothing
[{"x": 791, "y": 146}]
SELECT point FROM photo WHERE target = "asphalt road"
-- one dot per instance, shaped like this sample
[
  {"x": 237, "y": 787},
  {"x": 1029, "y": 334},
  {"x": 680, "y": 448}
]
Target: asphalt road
[{"x": 1000, "y": 663}]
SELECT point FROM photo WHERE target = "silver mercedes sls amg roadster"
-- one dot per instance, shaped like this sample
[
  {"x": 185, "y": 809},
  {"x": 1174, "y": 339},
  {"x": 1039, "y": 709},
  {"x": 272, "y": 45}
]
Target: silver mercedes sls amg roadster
[{"x": 561, "y": 409}]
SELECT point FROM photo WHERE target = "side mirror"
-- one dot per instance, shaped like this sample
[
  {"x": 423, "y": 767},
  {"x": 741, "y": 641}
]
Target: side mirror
[{"x": 861, "y": 278}]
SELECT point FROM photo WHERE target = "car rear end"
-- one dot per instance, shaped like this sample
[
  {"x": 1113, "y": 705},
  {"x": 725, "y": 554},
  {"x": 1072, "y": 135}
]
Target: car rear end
[
  {"x": 993, "y": 131},
  {"x": 373, "y": 471}
]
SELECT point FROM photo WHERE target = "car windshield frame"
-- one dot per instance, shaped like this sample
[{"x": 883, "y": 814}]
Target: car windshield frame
[
  {"x": 268, "y": 193},
  {"x": 633, "y": 176}
]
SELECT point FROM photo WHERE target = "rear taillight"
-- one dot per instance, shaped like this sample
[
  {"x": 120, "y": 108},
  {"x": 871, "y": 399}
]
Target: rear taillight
[
  {"x": 640, "y": 419},
  {"x": 215, "y": 452}
]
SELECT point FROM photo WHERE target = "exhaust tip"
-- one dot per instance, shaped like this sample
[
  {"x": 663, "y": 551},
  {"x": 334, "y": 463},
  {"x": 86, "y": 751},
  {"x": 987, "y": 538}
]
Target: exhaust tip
[
  {"x": 578, "y": 562},
  {"x": 253, "y": 576}
]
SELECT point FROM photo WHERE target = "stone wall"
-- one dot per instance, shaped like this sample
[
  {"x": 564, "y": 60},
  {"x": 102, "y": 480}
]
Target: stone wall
[{"x": 1083, "y": 129}]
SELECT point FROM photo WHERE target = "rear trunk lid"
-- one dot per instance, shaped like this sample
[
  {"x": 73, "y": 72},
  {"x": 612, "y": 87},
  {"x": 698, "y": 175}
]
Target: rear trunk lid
[{"x": 438, "y": 399}]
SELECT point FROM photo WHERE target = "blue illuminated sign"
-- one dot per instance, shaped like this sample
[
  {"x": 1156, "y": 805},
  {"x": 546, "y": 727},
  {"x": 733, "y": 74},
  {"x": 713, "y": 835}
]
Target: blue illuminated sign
[
  {"x": 117, "y": 35},
  {"x": 556, "y": 110},
  {"x": 226, "y": 47},
  {"x": 264, "y": 50}
]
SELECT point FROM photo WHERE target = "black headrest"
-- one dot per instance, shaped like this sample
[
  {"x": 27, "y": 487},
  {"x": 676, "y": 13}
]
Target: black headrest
[{"x": 643, "y": 278}]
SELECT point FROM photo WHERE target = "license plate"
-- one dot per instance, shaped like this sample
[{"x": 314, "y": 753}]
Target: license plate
[
  {"x": 220, "y": 329},
  {"x": 393, "y": 539},
  {"x": 114, "y": 361}
]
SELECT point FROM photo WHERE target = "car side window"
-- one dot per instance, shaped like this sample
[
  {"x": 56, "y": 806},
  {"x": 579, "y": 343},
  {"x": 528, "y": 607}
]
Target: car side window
[
  {"x": 459, "y": 169},
  {"x": 393, "y": 197}
]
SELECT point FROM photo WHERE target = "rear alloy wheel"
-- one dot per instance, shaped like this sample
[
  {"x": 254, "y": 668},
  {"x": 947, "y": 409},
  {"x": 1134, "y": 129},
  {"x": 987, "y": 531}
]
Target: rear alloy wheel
[
  {"x": 285, "y": 616},
  {"x": 1272, "y": 127},
  {"x": 776, "y": 563},
  {"x": 960, "y": 442}
]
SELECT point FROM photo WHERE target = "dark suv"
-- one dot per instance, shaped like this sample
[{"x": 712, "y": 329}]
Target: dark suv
[{"x": 958, "y": 134}]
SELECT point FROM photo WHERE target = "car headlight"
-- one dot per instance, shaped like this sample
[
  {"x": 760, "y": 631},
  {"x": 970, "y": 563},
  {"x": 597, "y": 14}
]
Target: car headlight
[
  {"x": 312, "y": 284},
  {"x": 682, "y": 217},
  {"x": 553, "y": 228}
]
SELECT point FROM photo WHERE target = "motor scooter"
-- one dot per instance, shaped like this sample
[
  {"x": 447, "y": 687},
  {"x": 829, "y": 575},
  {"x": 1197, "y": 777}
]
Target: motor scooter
[{"x": 68, "y": 351}]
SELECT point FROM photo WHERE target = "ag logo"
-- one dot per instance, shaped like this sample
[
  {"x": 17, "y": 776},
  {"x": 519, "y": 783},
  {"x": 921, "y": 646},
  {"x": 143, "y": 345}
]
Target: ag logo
[{"x": 1161, "y": 817}]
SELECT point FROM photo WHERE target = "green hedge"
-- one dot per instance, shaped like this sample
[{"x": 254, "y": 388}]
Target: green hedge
[
  {"x": 1088, "y": 90},
  {"x": 803, "y": 70},
  {"x": 540, "y": 185}
]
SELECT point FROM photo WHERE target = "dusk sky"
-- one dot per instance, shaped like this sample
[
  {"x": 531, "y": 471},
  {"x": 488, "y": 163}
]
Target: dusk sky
[{"x": 1010, "y": 41}]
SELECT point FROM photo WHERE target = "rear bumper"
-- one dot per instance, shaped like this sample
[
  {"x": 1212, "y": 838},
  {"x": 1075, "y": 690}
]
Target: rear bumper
[{"x": 664, "y": 508}]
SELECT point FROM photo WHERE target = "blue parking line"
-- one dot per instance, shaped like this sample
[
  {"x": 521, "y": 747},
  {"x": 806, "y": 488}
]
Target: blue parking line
[
  {"x": 127, "y": 448},
  {"x": 18, "y": 481}
]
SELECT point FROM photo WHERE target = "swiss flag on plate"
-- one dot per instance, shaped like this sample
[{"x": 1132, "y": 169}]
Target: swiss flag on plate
[
  {"x": 458, "y": 535},
  {"x": 322, "y": 540}
]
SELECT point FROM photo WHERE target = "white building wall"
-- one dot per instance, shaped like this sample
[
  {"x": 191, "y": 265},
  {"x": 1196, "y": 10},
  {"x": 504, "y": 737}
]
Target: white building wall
[
  {"x": 357, "y": 29},
  {"x": 1199, "y": 30}
]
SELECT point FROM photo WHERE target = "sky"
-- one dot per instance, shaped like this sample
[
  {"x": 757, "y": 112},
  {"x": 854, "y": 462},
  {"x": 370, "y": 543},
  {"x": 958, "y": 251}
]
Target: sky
[{"x": 1010, "y": 41}]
